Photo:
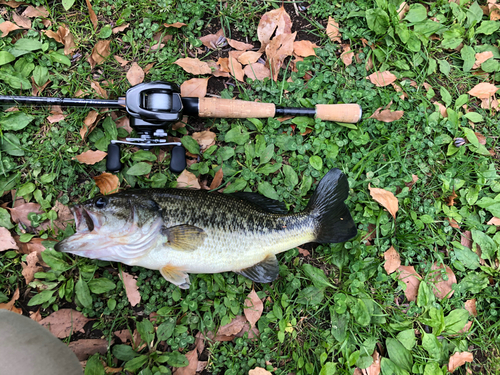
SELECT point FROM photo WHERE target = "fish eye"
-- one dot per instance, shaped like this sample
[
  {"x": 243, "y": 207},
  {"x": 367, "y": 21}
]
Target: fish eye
[{"x": 101, "y": 202}]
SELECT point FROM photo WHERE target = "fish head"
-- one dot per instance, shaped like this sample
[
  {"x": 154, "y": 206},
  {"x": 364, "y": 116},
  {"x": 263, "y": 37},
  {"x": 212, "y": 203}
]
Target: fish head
[{"x": 119, "y": 227}]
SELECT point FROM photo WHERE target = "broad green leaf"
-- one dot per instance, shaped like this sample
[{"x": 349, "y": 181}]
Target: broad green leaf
[
  {"x": 490, "y": 66},
  {"x": 42, "y": 297},
  {"x": 432, "y": 345},
  {"x": 456, "y": 321},
  {"x": 225, "y": 153},
  {"x": 425, "y": 297},
  {"x": 146, "y": 330},
  {"x": 257, "y": 123},
  {"x": 190, "y": 144},
  {"x": 311, "y": 296},
  {"x": 468, "y": 55},
  {"x": 174, "y": 359},
  {"x": 158, "y": 180},
  {"x": 474, "y": 15},
  {"x": 451, "y": 43},
  {"x": 67, "y": 4},
  {"x": 110, "y": 128},
  {"x": 143, "y": 155},
  {"x": 316, "y": 162},
  {"x": 94, "y": 366},
  {"x": 390, "y": 368},
  {"x": 58, "y": 58},
  {"x": 237, "y": 185},
  {"x": 5, "y": 219},
  {"x": 339, "y": 324},
  {"x": 432, "y": 368},
  {"x": 444, "y": 67},
  {"x": 28, "y": 44},
  {"x": 488, "y": 27},
  {"x": 462, "y": 99},
  {"x": 268, "y": 169},
  {"x": 305, "y": 185},
  {"x": 136, "y": 363},
  {"x": 378, "y": 20},
  {"x": 105, "y": 32},
  {"x": 474, "y": 282},
  {"x": 472, "y": 194},
  {"x": 54, "y": 260},
  {"x": 237, "y": 135},
  {"x": 267, "y": 190},
  {"x": 6, "y": 57},
  {"x": 139, "y": 169},
  {"x": 317, "y": 276},
  {"x": 15, "y": 80},
  {"x": 490, "y": 204},
  {"x": 360, "y": 312},
  {"x": 399, "y": 354},
  {"x": 291, "y": 177},
  {"x": 407, "y": 338},
  {"x": 15, "y": 121},
  {"x": 101, "y": 285},
  {"x": 488, "y": 246},
  {"x": 471, "y": 136},
  {"x": 329, "y": 368},
  {"x": 445, "y": 95},
  {"x": 165, "y": 330},
  {"x": 417, "y": 13},
  {"x": 267, "y": 154},
  {"x": 12, "y": 145},
  {"x": 474, "y": 117},
  {"x": 26, "y": 189},
  {"x": 83, "y": 293},
  {"x": 432, "y": 66},
  {"x": 468, "y": 258}
]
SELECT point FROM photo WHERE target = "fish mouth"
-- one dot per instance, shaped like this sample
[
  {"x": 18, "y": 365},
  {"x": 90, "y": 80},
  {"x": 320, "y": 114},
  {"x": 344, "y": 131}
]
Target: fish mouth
[{"x": 85, "y": 221}]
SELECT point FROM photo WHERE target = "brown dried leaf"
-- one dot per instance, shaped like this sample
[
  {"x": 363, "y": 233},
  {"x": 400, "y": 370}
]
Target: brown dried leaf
[
  {"x": 249, "y": 57},
  {"x": 236, "y": 69},
  {"x": 458, "y": 359},
  {"x": 35, "y": 315},
  {"x": 192, "y": 366},
  {"x": 470, "y": 306},
  {"x": 414, "y": 179},
  {"x": 229, "y": 331},
  {"x": 64, "y": 323},
  {"x": 34, "y": 246},
  {"x": 240, "y": 46},
  {"x": 93, "y": 17},
  {"x": 481, "y": 58},
  {"x": 481, "y": 138},
  {"x": 98, "y": 89},
  {"x": 494, "y": 221},
  {"x": 131, "y": 288},
  {"x": 442, "y": 288},
  {"x": 386, "y": 115},
  {"x": 12, "y": 3},
  {"x": 374, "y": 368},
  {"x": 303, "y": 252},
  {"x": 21, "y": 21},
  {"x": 84, "y": 348},
  {"x": 259, "y": 371},
  {"x": 392, "y": 260},
  {"x": 466, "y": 239},
  {"x": 107, "y": 183},
  {"x": 211, "y": 40},
  {"x": 6, "y": 27},
  {"x": 88, "y": 124},
  {"x": 441, "y": 108},
  {"x": 194, "y": 66},
  {"x": 124, "y": 335},
  {"x": 253, "y": 308},
  {"x": 194, "y": 88},
  {"x": 30, "y": 267},
  {"x": 490, "y": 103},
  {"x": 121, "y": 60},
  {"x": 332, "y": 30},
  {"x": 382, "y": 79},
  {"x": 386, "y": 199},
  {"x": 7, "y": 242},
  {"x": 217, "y": 179},
  {"x": 188, "y": 180},
  {"x": 135, "y": 74},
  {"x": 402, "y": 10},
  {"x": 119, "y": 29},
  {"x": 257, "y": 71},
  {"x": 279, "y": 48},
  {"x": 275, "y": 22},
  {"x": 19, "y": 214},
  {"x": 304, "y": 48},
  {"x": 177, "y": 25},
  {"x": 56, "y": 114},
  {"x": 10, "y": 305},
  {"x": 91, "y": 157},
  {"x": 32, "y": 12},
  {"x": 483, "y": 90},
  {"x": 64, "y": 215},
  {"x": 412, "y": 280},
  {"x": 347, "y": 55},
  {"x": 205, "y": 139},
  {"x": 101, "y": 51}
]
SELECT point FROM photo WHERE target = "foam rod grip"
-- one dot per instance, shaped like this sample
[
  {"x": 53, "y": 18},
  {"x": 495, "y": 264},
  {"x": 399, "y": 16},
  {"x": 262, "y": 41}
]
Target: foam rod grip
[
  {"x": 350, "y": 113},
  {"x": 228, "y": 108}
]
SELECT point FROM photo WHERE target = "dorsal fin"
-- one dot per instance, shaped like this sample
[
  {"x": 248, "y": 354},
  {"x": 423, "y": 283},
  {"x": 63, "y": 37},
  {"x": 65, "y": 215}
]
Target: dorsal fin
[
  {"x": 264, "y": 271},
  {"x": 266, "y": 204}
]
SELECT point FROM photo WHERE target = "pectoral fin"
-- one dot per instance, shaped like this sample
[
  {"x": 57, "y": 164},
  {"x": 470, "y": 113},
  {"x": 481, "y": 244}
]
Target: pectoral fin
[
  {"x": 184, "y": 237},
  {"x": 176, "y": 276},
  {"x": 264, "y": 271}
]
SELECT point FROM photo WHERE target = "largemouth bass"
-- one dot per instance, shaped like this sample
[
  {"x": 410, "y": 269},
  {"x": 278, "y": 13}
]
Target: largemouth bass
[{"x": 178, "y": 231}]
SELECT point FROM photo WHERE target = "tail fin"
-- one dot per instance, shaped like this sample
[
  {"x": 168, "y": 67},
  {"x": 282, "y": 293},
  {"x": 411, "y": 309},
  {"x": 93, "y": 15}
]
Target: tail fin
[{"x": 333, "y": 219}]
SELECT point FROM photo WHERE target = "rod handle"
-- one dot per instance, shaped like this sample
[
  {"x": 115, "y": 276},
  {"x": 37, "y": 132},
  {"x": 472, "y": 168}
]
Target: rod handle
[
  {"x": 350, "y": 113},
  {"x": 229, "y": 108}
]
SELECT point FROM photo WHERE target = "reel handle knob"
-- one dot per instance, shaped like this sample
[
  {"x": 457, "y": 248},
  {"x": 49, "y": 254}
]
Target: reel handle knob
[
  {"x": 113, "y": 163},
  {"x": 178, "y": 159}
]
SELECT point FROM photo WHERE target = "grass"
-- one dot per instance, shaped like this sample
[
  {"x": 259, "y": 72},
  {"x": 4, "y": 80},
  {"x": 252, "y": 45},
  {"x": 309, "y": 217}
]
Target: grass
[{"x": 297, "y": 328}]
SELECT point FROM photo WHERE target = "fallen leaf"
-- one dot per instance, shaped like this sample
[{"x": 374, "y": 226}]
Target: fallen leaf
[
  {"x": 347, "y": 55},
  {"x": 249, "y": 57},
  {"x": 211, "y": 40},
  {"x": 453, "y": 223},
  {"x": 193, "y": 66},
  {"x": 490, "y": 103},
  {"x": 98, "y": 89},
  {"x": 19, "y": 214},
  {"x": 107, "y": 183},
  {"x": 201, "y": 366},
  {"x": 483, "y": 90},
  {"x": 200, "y": 342},
  {"x": 10, "y": 305},
  {"x": 131, "y": 288},
  {"x": 235, "y": 69},
  {"x": 177, "y": 25},
  {"x": 192, "y": 366},
  {"x": 374, "y": 368},
  {"x": 32, "y": 12},
  {"x": 37, "y": 89},
  {"x": 458, "y": 359},
  {"x": 259, "y": 371},
  {"x": 119, "y": 29},
  {"x": 412, "y": 280},
  {"x": 194, "y": 88},
  {"x": 34, "y": 246},
  {"x": 253, "y": 308},
  {"x": 56, "y": 115},
  {"x": 91, "y": 157},
  {"x": 64, "y": 215},
  {"x": 481, "y": 138},
  {"x": 101, "y": 51},
  {"x": 7, "y": 242},
  {"x": 466, "y": 328},
  {"x": 414, "y": 179},
  {"x": 240, "y": 46},
  {"x": 481, "y": 58},
  {"x": 205, "y": 139},
  {"x": 64, "y": 323},
  {"x": 494, "y": 221},
  {"x": 93, "y": 17},
  {"x": 386, "y": 115},
  {"x": 30, "y": 267},
  {"x": 402, "y": 10},
  {"x": 188, "y": 180},
  {"x": 442, "y": 288},
  {"x": 135, "y": 74},
  {"x": 382, "y": 79},
  {"x": 304, "y": 48},
  {"x": 279, "y": 48},
  {"x": 124, "y": 335},
  {"x": 275, "y": 22},
  {"x": 21, "y": 21},
  {"x": 466, "y": 239},
  {"x": 88, "y": 124},
  {"x": 392, "y": 260},
  {"x": 84, "y": 348},
  {"x": 12, "y": 3},
  {"x": 6, "y": 27},
  {"x": 35, "y": 315},
  {"x": 124, "y": 123},
  {"x": 386, "y": 199},
  {"x": 257, "y": 71},
  {"x": 230, "y": 330},
  {"x": 217, "y": 179},
  {"x": 441, "y": 108},
  {"x": 332, "y": 30},
  {"x": 470, "y": 306}
]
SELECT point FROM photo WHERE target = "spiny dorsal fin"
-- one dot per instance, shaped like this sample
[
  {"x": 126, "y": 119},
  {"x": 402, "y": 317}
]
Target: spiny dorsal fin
[
  {"x": 264, "y": 271},
  {"x": 266, "y": 204},
  {"x": 184, "y": 237}
]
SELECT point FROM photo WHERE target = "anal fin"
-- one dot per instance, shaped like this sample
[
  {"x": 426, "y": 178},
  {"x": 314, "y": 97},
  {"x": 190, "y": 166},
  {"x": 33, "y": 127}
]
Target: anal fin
[
  {"x": 264, "y": 271},
  {"x": 176, "y": 276}
]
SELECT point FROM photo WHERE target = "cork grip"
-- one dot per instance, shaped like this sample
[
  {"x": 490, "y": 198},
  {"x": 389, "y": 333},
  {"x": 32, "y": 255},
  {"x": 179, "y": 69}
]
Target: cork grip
[
  {"x": 228, "y": 108},
  {"x": 350, "y": 113}
]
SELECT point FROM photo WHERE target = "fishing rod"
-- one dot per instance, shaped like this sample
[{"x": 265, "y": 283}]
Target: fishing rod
[{"x": 154, "y": 106}]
